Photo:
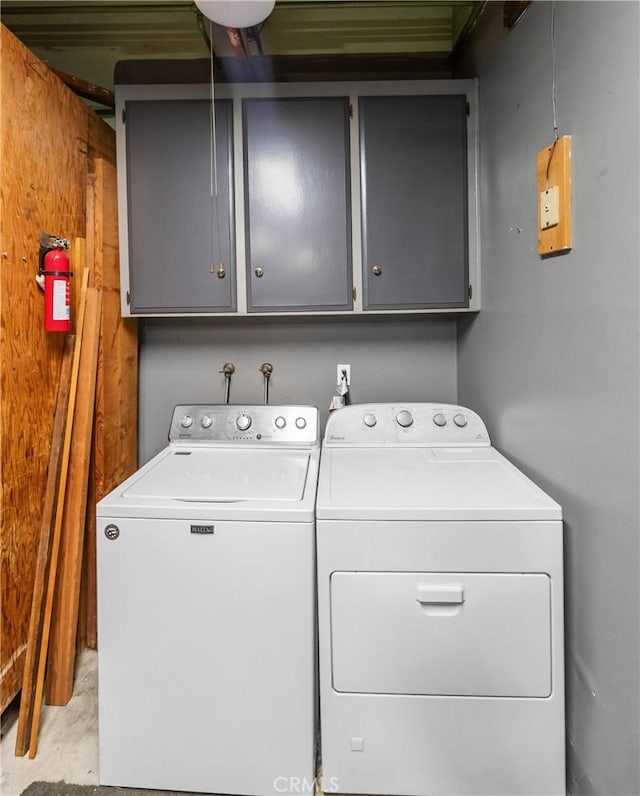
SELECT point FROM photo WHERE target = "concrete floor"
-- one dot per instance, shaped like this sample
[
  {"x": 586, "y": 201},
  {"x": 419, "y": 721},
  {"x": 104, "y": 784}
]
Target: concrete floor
[{"x": 68, "y": 740}]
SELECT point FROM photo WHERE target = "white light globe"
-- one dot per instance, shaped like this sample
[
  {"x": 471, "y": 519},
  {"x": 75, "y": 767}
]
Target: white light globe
[{"x": 236, "y": 13}]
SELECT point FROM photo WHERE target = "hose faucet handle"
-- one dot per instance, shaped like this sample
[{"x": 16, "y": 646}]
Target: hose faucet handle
[
  {"x": 266, "y": 369},
  {"x": 228, "y": 368}
]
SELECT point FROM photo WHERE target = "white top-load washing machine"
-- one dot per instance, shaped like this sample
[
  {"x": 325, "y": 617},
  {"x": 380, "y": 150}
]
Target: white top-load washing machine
[
  {"x": 206, "y": 607},
  {"x": 440, "y": 603}
]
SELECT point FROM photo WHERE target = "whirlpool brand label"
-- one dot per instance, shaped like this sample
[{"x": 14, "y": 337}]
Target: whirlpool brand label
[{"x": 203, "y": 530}]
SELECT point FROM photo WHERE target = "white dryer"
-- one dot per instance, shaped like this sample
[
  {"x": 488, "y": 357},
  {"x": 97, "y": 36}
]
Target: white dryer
[
  {"x": 206, "y": 607},
  {"x": 440, "y": 604}
]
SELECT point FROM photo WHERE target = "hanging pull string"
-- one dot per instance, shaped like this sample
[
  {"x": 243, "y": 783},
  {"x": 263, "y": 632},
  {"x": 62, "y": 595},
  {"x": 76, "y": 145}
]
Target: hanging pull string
[
  {"x": 554, "y": 89},
  {"x": 214, "y": 230},
  {"x": 213, "y": 153},
  {"x": 554, "y": 68}
]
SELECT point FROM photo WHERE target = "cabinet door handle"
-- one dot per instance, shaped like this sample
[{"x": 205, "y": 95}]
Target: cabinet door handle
[
  {"x": 376, "y": 270},
  {"x": 220, "y": 271},
  {"x": 258, "y": 272}
]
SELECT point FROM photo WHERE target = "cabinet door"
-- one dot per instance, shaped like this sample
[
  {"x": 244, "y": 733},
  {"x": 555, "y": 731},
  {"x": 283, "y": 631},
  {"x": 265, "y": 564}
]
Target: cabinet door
[
  {"x": 180, "y": 230},
  {"x": 414, "y": 201},
  {"x": 297, "y": 205}
]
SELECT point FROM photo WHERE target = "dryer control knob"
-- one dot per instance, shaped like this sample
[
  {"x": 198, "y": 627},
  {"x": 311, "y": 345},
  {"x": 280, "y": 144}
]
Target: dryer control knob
[
  {"x": 440, "y": 419},
  {"x": 206, "y": 421},
  {"x": 280, "y": 422},
  {"x": 187, "y": 421},
  {"x": 243, "y": 422},
  {"x": 301, "y": 422},
  {"x": 370, "y": 420},
  {"x": 460, "y": 420},
  {"x": 404, "y": 419}
]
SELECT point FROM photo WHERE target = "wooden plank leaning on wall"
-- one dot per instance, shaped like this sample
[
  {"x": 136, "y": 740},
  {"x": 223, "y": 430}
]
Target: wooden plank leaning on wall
[
  {"x": 44, "y": 181},
  {"x": 45, "y": 547},
  {"x": 67, "y": 510},
  {"x": 64, "y": 618},
  {"x": 114, "y": 438}
]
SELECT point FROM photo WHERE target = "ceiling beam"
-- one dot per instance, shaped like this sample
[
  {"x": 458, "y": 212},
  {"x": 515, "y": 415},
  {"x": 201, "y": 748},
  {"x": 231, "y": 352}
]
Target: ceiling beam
[{"x": 87, "y": 90}]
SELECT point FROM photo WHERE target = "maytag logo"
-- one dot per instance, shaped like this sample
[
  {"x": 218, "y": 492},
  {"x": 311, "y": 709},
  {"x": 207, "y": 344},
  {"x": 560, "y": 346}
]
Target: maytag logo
[{"x": 202, "y": 529}]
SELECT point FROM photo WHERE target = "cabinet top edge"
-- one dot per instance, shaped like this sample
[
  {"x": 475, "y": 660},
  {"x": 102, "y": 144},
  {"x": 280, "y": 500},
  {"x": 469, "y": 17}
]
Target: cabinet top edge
[
  {"x": 275, "y": 90},
  {"x": 159, "y": 71}
]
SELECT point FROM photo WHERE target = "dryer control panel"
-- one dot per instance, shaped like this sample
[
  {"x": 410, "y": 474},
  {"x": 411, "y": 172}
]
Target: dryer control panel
[
  {"x": 243, "y": 423},
  {"x": 420, "y": 424}
]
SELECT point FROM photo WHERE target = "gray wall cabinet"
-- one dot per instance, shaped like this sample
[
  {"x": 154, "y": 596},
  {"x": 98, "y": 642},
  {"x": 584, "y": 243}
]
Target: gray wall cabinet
[
  {"x": 413, "y": 154},
  {"x": 297, "y": 203},
  {"x": 180, "y": 241},
  {"x": 332, "y": 198}
]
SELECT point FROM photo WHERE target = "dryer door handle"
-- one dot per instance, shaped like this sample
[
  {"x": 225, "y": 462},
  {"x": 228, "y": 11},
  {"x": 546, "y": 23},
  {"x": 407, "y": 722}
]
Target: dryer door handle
[{"x": 447, "y": 593}]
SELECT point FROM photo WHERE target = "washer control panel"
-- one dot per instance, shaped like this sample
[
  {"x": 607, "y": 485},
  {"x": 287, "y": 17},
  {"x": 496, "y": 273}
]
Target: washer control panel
[
  {"x": 242, "y": 424},
  {"x": 421, "y": 424}
]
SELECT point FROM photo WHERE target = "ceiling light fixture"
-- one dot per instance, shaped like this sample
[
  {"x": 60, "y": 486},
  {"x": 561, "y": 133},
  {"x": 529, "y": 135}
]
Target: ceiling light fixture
[{"x": 236, "y": 13}]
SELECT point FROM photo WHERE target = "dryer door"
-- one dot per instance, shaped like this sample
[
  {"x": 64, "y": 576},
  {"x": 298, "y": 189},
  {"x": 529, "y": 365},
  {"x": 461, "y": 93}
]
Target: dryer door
[{"x": 463, "y": 634}]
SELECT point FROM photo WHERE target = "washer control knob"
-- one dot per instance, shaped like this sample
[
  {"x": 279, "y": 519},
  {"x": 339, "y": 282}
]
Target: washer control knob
[
  {"x": 370, "y": 420},
  {"x": 187, "y": 421},
  {"x": 280, "y": 422},
  {"x": 301, "y": 422},
  {"x": 404, "y": 418},
  {"x": 440, "y": 419},
  {"x": 460, "y": 420},
  {"x": 243, "y": 422},
  {"x": 206, "y": 421}
]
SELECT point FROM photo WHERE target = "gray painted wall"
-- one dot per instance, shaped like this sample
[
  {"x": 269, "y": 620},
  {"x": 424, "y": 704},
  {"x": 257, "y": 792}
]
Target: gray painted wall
[
  {"x": 551, "y": 362},
  {"x": 392, "y": 359}
]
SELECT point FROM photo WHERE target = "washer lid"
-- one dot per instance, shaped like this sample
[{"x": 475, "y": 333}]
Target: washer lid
[
  {"x": 213, "y": 482},
  {"x": 223, "y": 476},
  {"x": 427, "y": 483}
]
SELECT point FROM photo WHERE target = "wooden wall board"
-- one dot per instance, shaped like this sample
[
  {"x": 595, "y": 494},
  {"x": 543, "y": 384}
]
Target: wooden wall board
[
  {"x": 88, "y": 614},
  {"x": 45, "y": 540},
  {"x": 62, "y": 646},
  {"x": 115, "y": 437},
  {"x": 36, "y": 196},
  {"x": 77, "y": 262},
  {"x": 88, "y": 610},
  {"x": 553, "y": 167},
  {"x": 57, "y": 527},
  {"x": 43, "y": 178},
  {"x": 116, "y": 440},
  {"x": 101, "y": 141}
]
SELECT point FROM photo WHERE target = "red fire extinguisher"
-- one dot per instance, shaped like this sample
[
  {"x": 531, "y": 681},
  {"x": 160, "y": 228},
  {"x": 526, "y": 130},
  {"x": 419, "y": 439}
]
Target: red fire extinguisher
[{"x": 56, "y": 273}]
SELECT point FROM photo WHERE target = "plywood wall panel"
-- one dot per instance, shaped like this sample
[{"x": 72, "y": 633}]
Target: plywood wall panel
[
  {"x": 115, "y": 437},
  {"x": 116, "y": 440},
  {"x": 47, "y": 134},
  {"x": 101, "y": 140}
]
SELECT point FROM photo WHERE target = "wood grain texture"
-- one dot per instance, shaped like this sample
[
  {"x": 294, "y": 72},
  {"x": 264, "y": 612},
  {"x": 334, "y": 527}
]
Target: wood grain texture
[
  {"x": 115, "y": 435},
  {"x": 57, "y": 528},
  {"x": 44, "y": 549},
  {"x": 554, "y": 168},
  {"x": 117, "y": 407},
  {"x": 101, "y": 140},
  {"x": 64, "y": 622},
  {"x": 43, "y": 179}
]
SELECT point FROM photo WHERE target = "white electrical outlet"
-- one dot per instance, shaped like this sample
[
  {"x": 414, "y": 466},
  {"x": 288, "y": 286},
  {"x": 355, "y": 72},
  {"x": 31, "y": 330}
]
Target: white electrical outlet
[
  {"x": 550, "y": 207},
  {"x": 339, "y": 369}
]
